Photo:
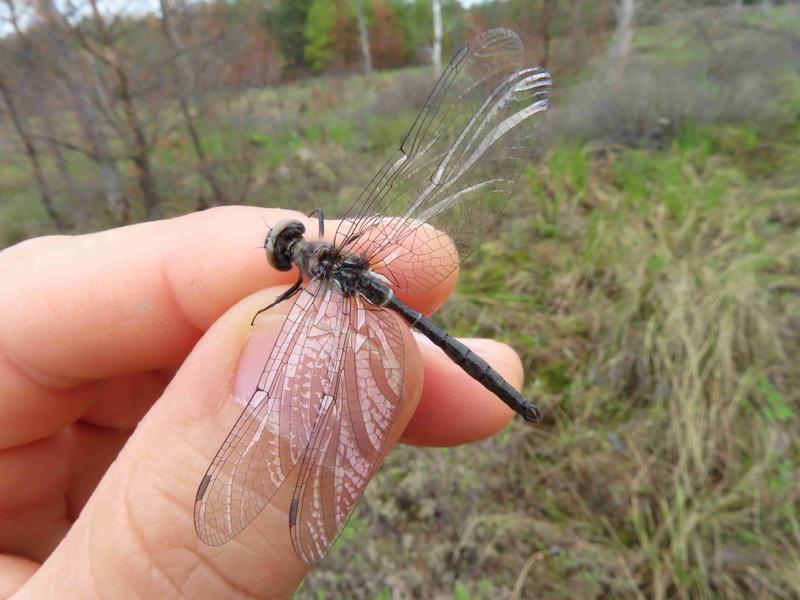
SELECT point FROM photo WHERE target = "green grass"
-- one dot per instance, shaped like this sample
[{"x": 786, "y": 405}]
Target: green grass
[{"x": 655, "y": 304}]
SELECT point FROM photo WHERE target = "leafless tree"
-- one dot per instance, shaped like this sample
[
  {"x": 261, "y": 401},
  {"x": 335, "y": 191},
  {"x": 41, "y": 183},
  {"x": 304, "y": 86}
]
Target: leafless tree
[
  {"x": 81, "y": 88},
  {"x": 101, "y": 45},
  {"x": 25, "y": 59},
  {"x": 32, "y": 153},
  {"x": 30, "y": 61},
  {"x": 183, "y": 79}
]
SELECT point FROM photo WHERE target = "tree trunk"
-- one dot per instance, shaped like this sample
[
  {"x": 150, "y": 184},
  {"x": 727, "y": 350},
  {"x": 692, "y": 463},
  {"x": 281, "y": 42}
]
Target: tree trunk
[
  {"x": 184, "y": 87},
  {"x": 140, "y": 148},
  {"x": 33, "y": 156},
  {"x": 28, "y": 61},
  {"x": 437, "y": 36},
  {"x": 92, "y": 128},
  {"x": 363, "y": 37},
  {"x": 623, "y": 36}
]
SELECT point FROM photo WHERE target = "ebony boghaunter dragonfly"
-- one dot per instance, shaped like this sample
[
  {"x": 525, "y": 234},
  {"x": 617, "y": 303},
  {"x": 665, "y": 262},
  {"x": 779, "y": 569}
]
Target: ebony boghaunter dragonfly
[{"x": 327, "y": 396}]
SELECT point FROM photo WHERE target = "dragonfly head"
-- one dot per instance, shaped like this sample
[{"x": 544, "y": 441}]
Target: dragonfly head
[{"x": 280, "y": 240}]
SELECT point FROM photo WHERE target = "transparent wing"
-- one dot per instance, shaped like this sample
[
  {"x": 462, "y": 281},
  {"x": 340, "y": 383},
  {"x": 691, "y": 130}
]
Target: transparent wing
[
  {"x": 455, "y": 168},
  {"x": 347, "y": 446},
  {"x": 274, "y": 430}
]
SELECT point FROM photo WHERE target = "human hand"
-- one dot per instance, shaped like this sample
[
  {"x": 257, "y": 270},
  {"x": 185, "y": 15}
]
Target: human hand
[{"x": 97, "y": 480}]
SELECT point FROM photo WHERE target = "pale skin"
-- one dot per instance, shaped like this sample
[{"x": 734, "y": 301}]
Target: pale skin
[{"x": 141, "y": 327}]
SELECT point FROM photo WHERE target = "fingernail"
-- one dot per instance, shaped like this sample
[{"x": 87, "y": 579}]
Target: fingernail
[{"x": 254, "y": 356}]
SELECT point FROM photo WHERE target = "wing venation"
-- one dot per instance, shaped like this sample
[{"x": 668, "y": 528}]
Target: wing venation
[
  {"x": 432, "y": 203},
  {"x": 275, "y": 428},
  {"x": 353, "y": 431}
]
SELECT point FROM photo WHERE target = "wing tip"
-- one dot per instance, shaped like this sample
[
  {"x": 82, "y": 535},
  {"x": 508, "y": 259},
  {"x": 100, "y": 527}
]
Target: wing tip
[
  {"x": 213, "y": 537},
  {"x": 201, "y": 490},
  {"x": 207, "y": 537}
]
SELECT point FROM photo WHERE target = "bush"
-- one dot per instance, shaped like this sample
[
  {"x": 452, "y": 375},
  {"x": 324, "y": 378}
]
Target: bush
[{"x": 746, "y": 75}]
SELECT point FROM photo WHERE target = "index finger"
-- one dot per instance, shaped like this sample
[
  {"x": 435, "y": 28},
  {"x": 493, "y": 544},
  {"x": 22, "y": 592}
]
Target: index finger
[{"x": 136, "y": 298}]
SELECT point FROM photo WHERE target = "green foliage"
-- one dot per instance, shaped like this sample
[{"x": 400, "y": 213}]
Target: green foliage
[
  {"x": 318, "y": 31},
  {"x": 415, "y": 18},
  {"x": 642, "y": 289},
  {"x": 776, "y": 409},
  {"x": 461, "y": 592},
  {"x": 343, "y": 133},
  {"x": 288, "y": 21},
  {"x": 387, "y": 131}
]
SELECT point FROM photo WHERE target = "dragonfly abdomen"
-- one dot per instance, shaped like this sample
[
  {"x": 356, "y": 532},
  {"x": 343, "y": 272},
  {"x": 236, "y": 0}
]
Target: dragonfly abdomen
[{"x": 471, "y": 363}]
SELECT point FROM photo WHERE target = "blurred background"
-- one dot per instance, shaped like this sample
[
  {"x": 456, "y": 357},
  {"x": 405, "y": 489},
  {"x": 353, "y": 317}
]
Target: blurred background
[{"x": 650, "y": 277}]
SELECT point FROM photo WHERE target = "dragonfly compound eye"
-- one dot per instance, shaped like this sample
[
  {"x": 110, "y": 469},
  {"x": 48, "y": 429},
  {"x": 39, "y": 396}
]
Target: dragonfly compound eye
[{"x": 280, "y": 240}]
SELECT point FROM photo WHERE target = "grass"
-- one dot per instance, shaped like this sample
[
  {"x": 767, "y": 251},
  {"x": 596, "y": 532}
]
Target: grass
[
  {"x": 653, "y": 292},
  {"x": 653, "y": 296}
]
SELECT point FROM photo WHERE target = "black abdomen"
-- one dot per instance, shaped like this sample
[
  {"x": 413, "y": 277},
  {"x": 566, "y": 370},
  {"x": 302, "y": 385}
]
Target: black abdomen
[{"x": 474, "y": 365}]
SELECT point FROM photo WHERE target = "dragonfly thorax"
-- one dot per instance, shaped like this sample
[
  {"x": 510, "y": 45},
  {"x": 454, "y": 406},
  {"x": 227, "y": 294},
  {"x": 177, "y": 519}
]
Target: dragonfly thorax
[
  {"x": 323, "y": 260},
  {"x": 319, "y": 260}
]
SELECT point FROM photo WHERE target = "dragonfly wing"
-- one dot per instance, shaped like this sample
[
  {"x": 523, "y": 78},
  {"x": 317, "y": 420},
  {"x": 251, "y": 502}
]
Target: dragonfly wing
[
  {"x": 348, "y": 442},
  {"x": 451, "y": 179},
  {"x": 274, "y": 430}
]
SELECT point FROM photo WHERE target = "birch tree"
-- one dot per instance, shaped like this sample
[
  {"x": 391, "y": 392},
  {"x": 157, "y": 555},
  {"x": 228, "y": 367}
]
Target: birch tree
[
  {"x": 363, "y": 36},
  {"x": 621, "y": 43}
]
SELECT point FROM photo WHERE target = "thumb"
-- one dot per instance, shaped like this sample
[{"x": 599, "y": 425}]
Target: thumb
[{"x": 136, "y": 535}]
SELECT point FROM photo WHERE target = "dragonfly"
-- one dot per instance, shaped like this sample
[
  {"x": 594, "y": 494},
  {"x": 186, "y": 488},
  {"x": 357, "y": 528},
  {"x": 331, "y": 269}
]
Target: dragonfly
[{"x": 330, "y": 388}]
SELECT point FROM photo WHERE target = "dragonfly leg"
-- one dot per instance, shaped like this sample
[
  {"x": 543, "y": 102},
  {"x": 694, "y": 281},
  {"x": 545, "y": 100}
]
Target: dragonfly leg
[
  {"x": 284, "y": 296},
  {"x": 321, "y": 215}
]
